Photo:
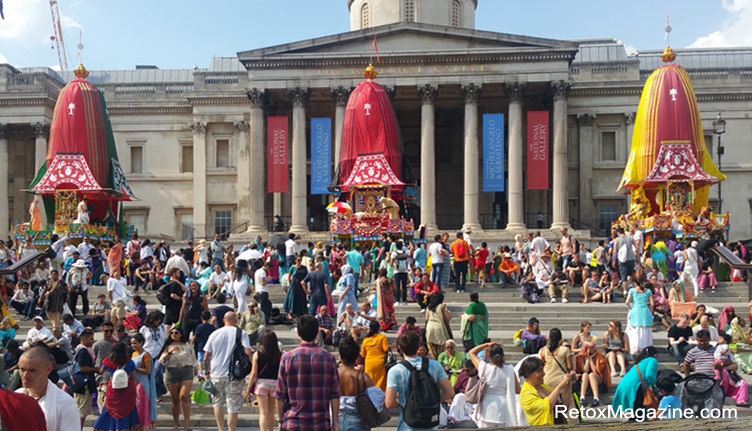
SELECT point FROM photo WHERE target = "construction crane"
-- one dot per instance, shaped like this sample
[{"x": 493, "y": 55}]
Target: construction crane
[{"x": 62, "y": 57}]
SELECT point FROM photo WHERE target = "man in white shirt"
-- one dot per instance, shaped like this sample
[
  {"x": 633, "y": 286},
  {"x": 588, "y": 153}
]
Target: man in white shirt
[
  {"x": 84, "y": 247},
  {"x": 537, "y": 247},
  {"x": 437, "y": 253},
  {"x": 58, "y": 246},
  {"x": 177, "y": 261},
  {"x": 466, "y": 237},
  {"x": 217, "y": 281},
  {"x": 260, "y": 281},
  {"x": 60, "y": 409},
  {"x": 366, "y": 315},
  {"x": 218, "y": 354},
  {"x": 291, "y": 249},
  {"x": 38, "y": 332},
  {"x": 118, "y": 294},
  {"x": 545, "y": 276}
]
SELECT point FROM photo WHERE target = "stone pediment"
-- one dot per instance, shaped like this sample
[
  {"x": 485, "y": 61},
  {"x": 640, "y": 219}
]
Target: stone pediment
[{"x": 408, "y": 39}]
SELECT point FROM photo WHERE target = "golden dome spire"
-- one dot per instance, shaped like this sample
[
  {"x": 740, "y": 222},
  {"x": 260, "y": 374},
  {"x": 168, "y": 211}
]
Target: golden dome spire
[
  {"x": 81, "y": 72},
  {"x": 370, "y": 72}
]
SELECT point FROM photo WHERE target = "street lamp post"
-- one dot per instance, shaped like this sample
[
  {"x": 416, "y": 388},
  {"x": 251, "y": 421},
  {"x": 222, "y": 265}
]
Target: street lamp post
[{"x": 719, "y": 128}]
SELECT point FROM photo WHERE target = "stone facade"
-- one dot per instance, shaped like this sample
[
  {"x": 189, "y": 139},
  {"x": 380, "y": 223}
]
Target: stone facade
[{"x": 193, "y": 141}]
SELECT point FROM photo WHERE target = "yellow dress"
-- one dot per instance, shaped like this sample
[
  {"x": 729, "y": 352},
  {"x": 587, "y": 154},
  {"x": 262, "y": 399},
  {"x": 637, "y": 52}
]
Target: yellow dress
[{"x": 373, "y": 350}]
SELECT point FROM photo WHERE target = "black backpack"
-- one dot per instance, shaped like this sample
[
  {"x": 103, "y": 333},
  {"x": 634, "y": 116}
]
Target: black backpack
[
  {"x": 240, "y": 365},
  {"x": 163, "y": 294},
  {"x": 423, "y": 399}
]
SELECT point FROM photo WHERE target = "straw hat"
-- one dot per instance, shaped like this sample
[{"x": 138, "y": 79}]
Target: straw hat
[{"x": 80, "y": 264}]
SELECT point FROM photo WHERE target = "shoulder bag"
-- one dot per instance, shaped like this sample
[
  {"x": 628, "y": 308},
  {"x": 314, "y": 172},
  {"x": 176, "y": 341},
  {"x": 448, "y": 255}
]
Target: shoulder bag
[
  {"x": 476, "y": 387},
  {"x": 369, "y": 416},
  {"x": 446, "y": 323},
  {"x": 390, "y": 359},
  {"x": 649, "y": 400}
]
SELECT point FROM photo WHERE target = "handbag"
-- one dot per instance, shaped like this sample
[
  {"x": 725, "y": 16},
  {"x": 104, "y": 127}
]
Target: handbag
[
  {"x": 649, "y": 400},
  {"x": 369, "y": 416},
  {"x": 390, "y": 359},
  {"x": 446, "y": 324},
  {"x": 476, "y": 387}
]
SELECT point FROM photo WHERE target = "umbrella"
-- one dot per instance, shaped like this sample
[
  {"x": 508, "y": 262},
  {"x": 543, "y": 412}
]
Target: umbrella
[
  {"x": 250, "y": 254},
  {"x": 339, "y": 207},
  {"x": 276, "y": 240}
]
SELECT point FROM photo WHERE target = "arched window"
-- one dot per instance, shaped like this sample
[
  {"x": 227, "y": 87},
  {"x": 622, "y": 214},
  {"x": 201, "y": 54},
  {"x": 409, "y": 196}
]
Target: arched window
[
  {"x": 365, "y": 16},
  {"x": 456, "y": 14},
  {"x": 409, "y": 10}
]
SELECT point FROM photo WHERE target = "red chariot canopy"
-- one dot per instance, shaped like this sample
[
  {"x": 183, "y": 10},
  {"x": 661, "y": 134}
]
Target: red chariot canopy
[
  {"x": 372, "y": 169},
  {"x": 676, "y": 161}
]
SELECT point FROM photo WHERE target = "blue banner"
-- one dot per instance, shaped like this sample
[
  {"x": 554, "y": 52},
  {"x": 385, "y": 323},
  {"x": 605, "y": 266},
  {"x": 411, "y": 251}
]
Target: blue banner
[
  {"x": 493, "y": 152},
  {"x": 321, "y": 155}
]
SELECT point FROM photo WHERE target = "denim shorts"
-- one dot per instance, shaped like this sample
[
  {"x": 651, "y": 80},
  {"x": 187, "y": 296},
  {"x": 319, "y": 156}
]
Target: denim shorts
[{"x": 350, "y": 421}]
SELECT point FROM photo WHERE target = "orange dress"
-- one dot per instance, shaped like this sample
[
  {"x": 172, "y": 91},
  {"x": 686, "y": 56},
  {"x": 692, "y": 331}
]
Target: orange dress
[{"x": 373, "y": 350}]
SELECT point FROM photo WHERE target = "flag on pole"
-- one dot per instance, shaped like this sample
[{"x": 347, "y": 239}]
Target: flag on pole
[
  {"x": 668, "y": 31},
  {"x": 376, "y": 48},
  {"x": 80, "y": 45}
]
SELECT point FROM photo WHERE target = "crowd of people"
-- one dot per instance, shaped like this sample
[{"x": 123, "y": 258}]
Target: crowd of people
[{"x": 340, "y": 297}]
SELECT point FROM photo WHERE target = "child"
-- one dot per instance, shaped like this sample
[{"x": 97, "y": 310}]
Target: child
[
  {"x": 670, "y": 404},
  {"x": 200, "y": 335},
  {"x": 721, "y": 356},
  {"x": 480, "y": 263}
]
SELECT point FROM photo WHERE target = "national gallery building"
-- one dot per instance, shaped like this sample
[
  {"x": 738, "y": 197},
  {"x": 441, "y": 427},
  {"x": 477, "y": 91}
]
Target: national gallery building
[{"x": 193, "y": 142}]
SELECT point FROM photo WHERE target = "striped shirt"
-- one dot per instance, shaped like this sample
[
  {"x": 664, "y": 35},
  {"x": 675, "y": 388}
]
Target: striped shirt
[{"x": 703, "y": 360}]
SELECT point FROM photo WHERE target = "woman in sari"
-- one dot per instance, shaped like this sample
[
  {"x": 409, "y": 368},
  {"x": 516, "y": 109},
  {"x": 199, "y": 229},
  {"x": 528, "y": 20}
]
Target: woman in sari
[
  {"x": 119, "y": 412},
  {"x": 385, "y": 301},
  {"x": 346, "y": 288},
  {"x": 146, "y": 391},
  {"x": 115, "y": 257},
  {"x": 296, "y": 303},
  {"x": 474, "y": 326},
  {"x": 680, "y": 300},
  {"x": 325, "y": 268}
]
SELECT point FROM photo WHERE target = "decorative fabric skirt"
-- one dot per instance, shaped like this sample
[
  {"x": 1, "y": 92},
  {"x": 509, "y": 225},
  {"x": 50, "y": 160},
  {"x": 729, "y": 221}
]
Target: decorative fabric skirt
[
  {"x": 639, "y": 337},
  {"x": 105, "y": 422}
]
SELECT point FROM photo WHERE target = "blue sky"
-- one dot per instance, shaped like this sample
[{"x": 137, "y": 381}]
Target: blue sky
[{"x": 179, "y": 34}]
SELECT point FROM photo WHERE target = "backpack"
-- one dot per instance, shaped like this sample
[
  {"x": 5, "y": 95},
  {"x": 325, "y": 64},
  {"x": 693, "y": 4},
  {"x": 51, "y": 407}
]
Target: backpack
[
  {"x": 517, "y": 338},
  {"x": 72, "y": 376},
  {"x": 163, "y": 296},
  {"x": 119, "y": 379},
  {"x": 240, "y": 364},
  {"x": 461, "y": 249},
  {"x": 700, "y": 391},
  {"x": 401, "y": 264},
  {"x": 422, "y": 398}
]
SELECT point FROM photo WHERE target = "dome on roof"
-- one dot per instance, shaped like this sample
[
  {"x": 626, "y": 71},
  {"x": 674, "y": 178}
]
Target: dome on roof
[{"x": 451, "y": 13}]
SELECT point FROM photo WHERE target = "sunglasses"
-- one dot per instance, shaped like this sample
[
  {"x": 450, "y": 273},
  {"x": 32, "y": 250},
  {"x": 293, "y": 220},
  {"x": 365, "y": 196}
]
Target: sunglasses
[
  {"x": 174, "y": 332},
  {"x": 108, "y": 331}
]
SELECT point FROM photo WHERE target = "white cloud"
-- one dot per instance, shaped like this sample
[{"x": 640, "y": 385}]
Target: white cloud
[
  {"x": 28, "y": 23},
  {"x": 734, "y": 30}
]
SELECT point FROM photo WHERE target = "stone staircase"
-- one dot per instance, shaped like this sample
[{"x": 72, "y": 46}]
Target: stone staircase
[{"x": 507, "y": 313}]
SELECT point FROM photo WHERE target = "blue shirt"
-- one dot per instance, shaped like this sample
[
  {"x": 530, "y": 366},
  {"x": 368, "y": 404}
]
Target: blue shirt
[
  {"x": 398, "y": 377},
  {"x": 672, "y": 406},
  {"x": 354, "y": 259},
  {"x": 421, "y": 257},
  {"x": 202, "y": 333}
]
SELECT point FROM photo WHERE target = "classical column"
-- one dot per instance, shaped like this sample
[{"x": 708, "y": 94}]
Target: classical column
[
  {"x": 41, "y": 132},
  {"x": 587, "y": 206},
  {"x": 242, "y": 185},
  {"x": 516, "y": 209},
  {"x": 199, "y": 179},
  {"x": 299, "y": 98},
  {"x": 4, "y": 196},
  {"x": 471, "y": 93},
  {"x": 340, "y": 95},
  {"x": 629, "y": 118},
  {"x": 257, "y": 157},
  {"x": 561, "y": 197},
  {"x": 427, "y": 94}
]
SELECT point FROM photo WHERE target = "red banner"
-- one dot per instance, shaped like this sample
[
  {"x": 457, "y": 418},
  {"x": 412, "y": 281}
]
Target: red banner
[
  {"x": 537, "y": 150},
  {"x": 276, "y": 155}
]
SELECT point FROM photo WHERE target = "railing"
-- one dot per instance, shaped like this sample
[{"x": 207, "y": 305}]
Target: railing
[
  {"x": 270, "y": 223},
  {"x": 580, "y": 225},
  {"x": 188, "y": 232},
  {"x": 239, "y": 227},
  {"x": 531, "y": 220}
]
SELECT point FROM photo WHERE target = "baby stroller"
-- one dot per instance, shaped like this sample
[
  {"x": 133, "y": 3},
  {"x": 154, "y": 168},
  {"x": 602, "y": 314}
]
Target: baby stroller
[{"x": 700, "y": 391}]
